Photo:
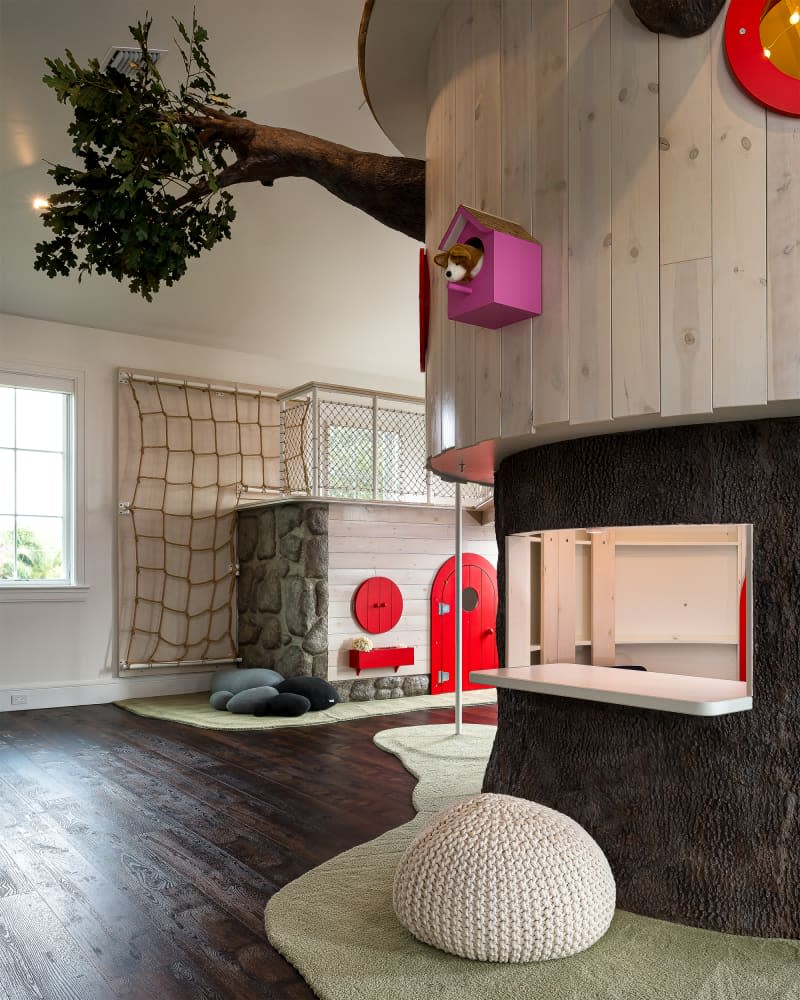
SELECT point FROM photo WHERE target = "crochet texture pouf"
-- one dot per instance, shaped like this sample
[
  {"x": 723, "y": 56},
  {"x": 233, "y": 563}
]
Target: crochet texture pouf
[{"x": 502, "y": 879}]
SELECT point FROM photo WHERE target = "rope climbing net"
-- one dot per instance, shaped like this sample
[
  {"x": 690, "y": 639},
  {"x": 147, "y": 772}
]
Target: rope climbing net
[{"x": 189, "y": 450}]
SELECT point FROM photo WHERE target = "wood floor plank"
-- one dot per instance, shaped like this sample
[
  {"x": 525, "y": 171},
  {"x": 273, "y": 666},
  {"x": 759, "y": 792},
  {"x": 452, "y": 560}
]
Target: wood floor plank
[
  {"x": 140, "y": 854},
  {"x": 37, "y": 955}
]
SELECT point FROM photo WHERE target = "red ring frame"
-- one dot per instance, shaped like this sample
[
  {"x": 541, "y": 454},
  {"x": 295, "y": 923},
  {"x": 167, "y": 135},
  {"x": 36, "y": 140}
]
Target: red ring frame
[{"x": 762, "y": 80}]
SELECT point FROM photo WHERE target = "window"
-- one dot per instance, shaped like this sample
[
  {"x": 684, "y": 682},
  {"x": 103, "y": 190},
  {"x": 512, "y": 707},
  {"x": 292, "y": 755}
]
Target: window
[{"x": 37, "y": 480}]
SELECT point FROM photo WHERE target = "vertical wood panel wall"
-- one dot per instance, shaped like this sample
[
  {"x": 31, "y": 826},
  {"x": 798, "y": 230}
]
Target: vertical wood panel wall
[
  {"x": 407, "y": 544},
  {"x": 667, "y": 203}
]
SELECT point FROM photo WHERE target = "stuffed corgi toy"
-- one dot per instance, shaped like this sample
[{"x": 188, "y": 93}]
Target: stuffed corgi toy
[{"x": 461, "y": 262}]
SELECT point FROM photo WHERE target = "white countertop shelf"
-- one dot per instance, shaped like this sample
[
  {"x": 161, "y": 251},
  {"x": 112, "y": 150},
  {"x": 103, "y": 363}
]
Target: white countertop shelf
[{"x": 703, "y": 696}]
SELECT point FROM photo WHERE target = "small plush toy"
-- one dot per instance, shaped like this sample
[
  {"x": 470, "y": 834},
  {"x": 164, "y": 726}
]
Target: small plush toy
[{"x": 462, "y": 262}]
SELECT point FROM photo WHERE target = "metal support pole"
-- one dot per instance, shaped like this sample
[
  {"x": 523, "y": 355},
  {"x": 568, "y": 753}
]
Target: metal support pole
[
  {"x": 284, "y": 474},
  {"x": 315, "y": 449},
  {"x": 374, "y": 447},
  {"x": 459, "y": 602}
]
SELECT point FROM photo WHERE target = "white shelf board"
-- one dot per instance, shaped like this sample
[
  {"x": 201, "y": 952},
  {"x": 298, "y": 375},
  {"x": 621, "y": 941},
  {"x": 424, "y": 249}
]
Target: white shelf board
[
  {"x": 682, "y": 543},
  {"x": 703, "y": 696},
  {"x": 666, "y": 640}
]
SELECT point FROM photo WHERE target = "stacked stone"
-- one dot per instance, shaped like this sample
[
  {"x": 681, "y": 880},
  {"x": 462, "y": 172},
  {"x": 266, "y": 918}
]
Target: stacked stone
[
  {"x": 283, "y": 600},
  {"x": 283, "y": 589},
  {"x": 369, "y": 688}
]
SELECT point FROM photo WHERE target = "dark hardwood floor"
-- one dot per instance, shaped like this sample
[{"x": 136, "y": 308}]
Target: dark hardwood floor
[{"x": 136, "y": 856}]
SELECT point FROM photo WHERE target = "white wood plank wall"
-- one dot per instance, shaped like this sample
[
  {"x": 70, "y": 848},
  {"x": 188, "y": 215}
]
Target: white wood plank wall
[
  {"x": 668, "y": 206},
  {"x": 515, "y": 202},
  {"x": 634, "y": 216},
  {"x": 407, "y": 544},
  {"x": 589, "y": 197},
  {"x": 466, "y": 85}
]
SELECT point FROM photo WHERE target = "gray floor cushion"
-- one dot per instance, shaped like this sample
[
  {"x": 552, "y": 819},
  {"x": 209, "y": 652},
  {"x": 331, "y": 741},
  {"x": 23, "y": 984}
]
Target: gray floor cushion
[
  {"x": 236, "y": 680},
  {"x": 220, "y": 699},
  {"x": 246, "y": 702}
]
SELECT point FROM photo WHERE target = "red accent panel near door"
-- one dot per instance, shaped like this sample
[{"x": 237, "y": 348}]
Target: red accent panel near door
[
  {"x": 479, "y": 649},
  {"x": 378, "y": 604},
  {"x": 424, "y": 307},
  {"x": 743, "y": 632}
]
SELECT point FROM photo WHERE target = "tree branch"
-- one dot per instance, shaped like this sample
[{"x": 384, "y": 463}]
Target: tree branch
[{"x": 391, "y": 189}]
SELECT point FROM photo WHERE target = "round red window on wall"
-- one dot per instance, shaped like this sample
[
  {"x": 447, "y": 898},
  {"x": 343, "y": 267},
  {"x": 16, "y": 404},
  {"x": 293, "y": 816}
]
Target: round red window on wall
[
  {"x": 762, "y": 41},
  {"x": 378, "y": 604}
]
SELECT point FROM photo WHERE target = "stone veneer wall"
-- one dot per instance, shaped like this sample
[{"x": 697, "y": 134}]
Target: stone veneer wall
[
  {"x": 699, "y": 817},
  {"x": 369, "y": 688},
  {"x": 283, "y": 600},
  {"x": 283, "y": 588}
]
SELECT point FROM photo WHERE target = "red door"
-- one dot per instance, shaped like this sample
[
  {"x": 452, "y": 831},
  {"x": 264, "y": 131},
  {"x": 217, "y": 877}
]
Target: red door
[{"x": 479, "y": 597}]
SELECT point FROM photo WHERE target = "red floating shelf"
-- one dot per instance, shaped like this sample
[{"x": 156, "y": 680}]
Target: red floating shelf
[{"x": 387, "y": 656}]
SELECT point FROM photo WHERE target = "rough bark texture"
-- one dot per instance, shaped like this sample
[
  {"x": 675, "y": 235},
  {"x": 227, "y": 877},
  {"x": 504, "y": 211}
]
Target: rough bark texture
[
  {"x": 699, "y": 817},
  {"x": 682, "y": 18},
  {"x": 391, "y": 189}
]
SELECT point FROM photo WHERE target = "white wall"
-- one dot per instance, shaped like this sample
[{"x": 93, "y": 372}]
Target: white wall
[
  {"x": 61, "y": 654},
  {"x": 407, "y": 544}
]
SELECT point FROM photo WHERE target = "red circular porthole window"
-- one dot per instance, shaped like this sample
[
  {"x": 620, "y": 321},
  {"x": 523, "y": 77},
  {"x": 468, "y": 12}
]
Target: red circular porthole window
[
  {"x": 762, "y": 41},
  {"x": 378, "y": 604}
]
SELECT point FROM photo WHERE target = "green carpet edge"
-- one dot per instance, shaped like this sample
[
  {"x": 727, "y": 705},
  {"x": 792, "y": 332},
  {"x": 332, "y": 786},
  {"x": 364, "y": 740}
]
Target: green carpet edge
[
  {"x": 756, "y": 968},
  {"x": 194, "y": 710}
]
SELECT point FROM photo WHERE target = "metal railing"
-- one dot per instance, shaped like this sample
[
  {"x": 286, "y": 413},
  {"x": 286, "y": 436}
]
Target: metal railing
[{"x": 343, "y": 443}]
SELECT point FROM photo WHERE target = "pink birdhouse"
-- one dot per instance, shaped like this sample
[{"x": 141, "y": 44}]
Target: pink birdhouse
[{"x": 506, "y": 285}]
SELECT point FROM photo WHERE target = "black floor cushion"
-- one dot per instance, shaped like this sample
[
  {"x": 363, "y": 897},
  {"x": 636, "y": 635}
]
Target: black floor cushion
[
  {"x": 319, "y": 692},
  {"x": 284, "y": 704}
]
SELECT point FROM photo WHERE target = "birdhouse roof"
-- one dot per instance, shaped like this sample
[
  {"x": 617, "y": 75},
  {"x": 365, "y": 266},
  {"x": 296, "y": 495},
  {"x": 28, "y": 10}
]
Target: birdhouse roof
[{"x": 483, "y": 222}]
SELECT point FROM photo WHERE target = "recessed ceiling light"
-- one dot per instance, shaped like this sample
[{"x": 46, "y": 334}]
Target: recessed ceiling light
[
  {"x": 40, "y": 204},
  {"x": 794, "y": 18},
  {"x": 767, "y": 53}
]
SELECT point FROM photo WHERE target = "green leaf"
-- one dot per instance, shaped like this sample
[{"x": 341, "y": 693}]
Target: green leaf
[{"x": 117, "y": 211}]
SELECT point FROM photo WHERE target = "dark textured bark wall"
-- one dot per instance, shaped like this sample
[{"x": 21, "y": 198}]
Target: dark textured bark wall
[{"x": 699, "y": 817}]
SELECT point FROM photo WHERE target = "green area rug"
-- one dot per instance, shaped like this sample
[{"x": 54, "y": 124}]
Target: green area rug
[
  {"x": 194, "y": 710},
  {"x": 337, "y": 927}
]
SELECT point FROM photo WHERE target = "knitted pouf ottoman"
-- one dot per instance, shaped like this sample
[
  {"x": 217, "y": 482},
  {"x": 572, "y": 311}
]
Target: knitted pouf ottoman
[{"x": 503, "y": 879}]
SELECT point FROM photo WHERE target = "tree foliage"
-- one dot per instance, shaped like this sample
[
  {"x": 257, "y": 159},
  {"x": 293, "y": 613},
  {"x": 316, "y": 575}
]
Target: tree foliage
[
  {"x": 124, "y": 210},
  {"x": 34, "y": 560}
]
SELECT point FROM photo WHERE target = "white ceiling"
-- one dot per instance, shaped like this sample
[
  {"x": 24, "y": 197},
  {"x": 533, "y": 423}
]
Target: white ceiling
[{"x": 305, "y": 277}]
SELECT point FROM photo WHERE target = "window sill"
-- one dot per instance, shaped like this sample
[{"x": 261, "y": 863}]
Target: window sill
[{"x": 43, "y": 594}]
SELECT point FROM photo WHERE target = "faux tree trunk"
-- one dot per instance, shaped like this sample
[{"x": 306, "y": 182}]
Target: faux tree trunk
[{"x": 698, "y": 817}]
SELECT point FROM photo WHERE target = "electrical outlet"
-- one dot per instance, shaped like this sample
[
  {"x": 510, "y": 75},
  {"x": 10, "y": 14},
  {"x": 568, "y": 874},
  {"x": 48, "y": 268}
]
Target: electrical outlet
[{"x": 19, "y": 699}]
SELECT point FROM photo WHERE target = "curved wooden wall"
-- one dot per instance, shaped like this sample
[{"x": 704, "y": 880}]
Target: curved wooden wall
[{"x": 668, "y": 205}]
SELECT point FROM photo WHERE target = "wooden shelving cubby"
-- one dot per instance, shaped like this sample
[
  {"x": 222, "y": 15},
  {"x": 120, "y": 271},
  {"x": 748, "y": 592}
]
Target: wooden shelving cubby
[{"x": 674, "y": 599}]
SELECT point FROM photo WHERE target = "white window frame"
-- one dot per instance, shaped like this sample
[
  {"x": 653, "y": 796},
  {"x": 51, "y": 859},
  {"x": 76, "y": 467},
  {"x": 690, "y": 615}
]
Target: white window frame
[{"x": 71, "y": 382}]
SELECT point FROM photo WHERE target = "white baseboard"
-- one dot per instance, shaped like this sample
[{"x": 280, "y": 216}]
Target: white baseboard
[{"x": 66, "y": 695}]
